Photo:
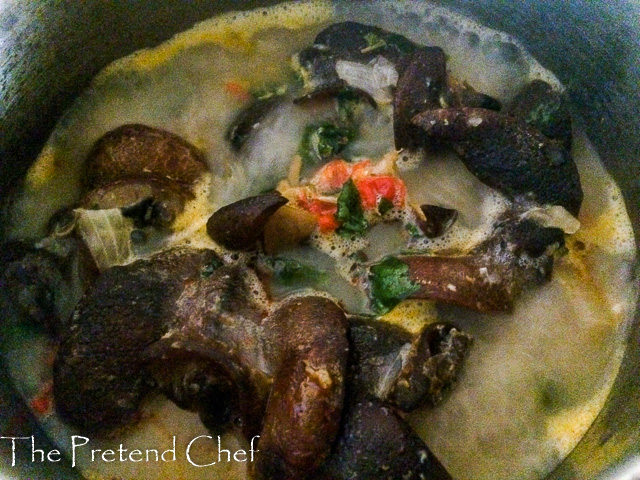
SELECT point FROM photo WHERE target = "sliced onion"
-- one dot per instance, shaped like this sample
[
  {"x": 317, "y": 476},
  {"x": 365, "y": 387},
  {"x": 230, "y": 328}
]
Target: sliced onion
[
  {"x": 554, "y": 217},
  {"x": 385, "y": 71},
  {"x": 376, "y": 78},
  {"x": 389, "y": 371},
  {"x": 107, "y": 234}
]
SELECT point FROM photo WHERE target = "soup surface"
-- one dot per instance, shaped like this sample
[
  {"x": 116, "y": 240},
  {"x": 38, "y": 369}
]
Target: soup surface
[{"x": 534, "y": 379}]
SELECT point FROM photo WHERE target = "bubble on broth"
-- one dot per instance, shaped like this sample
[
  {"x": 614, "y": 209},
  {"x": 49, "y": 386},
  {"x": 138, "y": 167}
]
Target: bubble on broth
[
  {"x": 533, "y": 382},
  {"x": 444, "y": 181}
]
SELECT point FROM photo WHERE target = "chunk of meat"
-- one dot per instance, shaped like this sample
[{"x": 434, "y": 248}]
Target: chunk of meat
[
  {"x": 544, "y": 108},
  {"x": 240, "y": 225},
  {"x": 403, "y": 370},
  {"x": 376, "y": 444},
  {"x": 508, "y": 155},
  {"x": 419, "y": 89},
  {"x": 431, "y": 367},
  {"x": 467, "y": 281},
  {"x": 309, "y": 353},
  {"x": 99, "y": 376},
  {"x": 351, "y": 42},
  {"x": 136, "y": 150}
]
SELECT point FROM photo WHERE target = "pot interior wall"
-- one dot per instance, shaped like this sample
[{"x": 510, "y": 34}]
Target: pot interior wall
[{"x": 50, "y": 51}]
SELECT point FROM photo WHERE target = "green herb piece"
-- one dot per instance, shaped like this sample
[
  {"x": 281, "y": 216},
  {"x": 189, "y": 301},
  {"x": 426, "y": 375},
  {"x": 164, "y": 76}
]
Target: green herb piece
[
  {"x": 291, "y": 272},
  {"x": 350, "y": 213},
  {"x": 413, "y": 230},
  {"x": 348, "y": 103},
  {"x": 374, "y": 42},
  {"x": 323, "y": 141},
  {"x": 384, "y": 206},
  {"x": 268, "y": 90},
  {"x": 210, "y": 267},
  {"x": 389, "y": 284}
]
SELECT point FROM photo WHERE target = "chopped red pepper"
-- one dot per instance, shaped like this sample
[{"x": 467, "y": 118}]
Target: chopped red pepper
[
  {"x": 42, "y": 403},
  {"x": 360, "y": 170},
  {"x": 332, "y": 176},
  {"x": 324, "y": 211},
  {"x": 373, "y": 189},
  {"x": 238, "y": 91},
  {"x": 328, "y": 223}
]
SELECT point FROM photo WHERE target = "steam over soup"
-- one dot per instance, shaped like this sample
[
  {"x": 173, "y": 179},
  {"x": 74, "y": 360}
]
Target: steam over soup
[{"x": 348, "y": 240}]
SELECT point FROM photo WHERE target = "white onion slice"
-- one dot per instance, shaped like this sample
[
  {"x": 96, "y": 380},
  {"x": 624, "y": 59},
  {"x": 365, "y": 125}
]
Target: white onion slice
[
  {"x": 392, "y": 368},
  {"x": 376, "y": 78},
  {"x": 554, "y": 217},
  {"x": 107, "y": 235}
]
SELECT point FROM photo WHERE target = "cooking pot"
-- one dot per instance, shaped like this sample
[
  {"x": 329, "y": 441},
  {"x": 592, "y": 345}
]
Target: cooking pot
[{"x": 49, "y": 51}]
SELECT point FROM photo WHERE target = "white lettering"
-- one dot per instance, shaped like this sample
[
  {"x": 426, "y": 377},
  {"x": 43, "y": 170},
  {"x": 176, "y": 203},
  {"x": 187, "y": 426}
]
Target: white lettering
[
  {"x": 252, "y": 449},
  {"x": 52, "y": 454},
  {"x": 220, "y": 450},
  {"x": 172, "y": 451},
  {"x": 121, "y": 451},
  {"x": 189, "y": 448},
  {"x": 74, "y": 445},
  {"x": 135, "y": 452},
  {"x": 35, "y": 450},
  {"x": 13, "y": 446},
  {"x": 154, "y": 451},
  {"x": 93, "y": 453},
  {"x": 108, "y": 452}
]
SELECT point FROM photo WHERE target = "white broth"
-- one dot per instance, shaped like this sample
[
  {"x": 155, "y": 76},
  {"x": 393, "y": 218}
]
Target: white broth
[{"x": 535, "y": 379}]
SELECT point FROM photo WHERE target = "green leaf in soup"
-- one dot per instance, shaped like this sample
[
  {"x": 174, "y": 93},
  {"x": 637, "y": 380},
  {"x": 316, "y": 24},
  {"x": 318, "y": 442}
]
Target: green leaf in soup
[
  {"x": 374, "y": 42},
  {"x": 322, "y": 141},
  {"x": 290, "y": 272},
  {"x": 389, "y": 284},
  {"x": 413, "y": 230},
  {"x": 384, "y": 206},
  {"x": 268, "y": 90},
  {"x": 350, "y": 213},
  {"x": 349, "y": 106}
]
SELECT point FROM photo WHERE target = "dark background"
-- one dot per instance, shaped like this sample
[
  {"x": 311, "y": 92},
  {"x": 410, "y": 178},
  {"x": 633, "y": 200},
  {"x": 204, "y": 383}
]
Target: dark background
[{"x": 50, "y": 49}]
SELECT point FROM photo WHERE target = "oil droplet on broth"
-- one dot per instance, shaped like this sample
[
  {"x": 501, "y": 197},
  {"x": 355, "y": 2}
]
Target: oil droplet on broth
[{"x": 534, "y": 380}]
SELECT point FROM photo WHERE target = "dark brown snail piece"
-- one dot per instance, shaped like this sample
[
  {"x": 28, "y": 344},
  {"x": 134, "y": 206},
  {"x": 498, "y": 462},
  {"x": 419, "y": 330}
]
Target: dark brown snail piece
[
  {"x": 135, "y": 151},
  {"x": 544, "y": 108},
  {"x": 404, "y": 370},
  {"x": 348, "y": 41},
  {"x": 149, "y": 201},
  {"x": 431, "y": 367},
  {"x": 508, "y": 155},
  {"x": 310, "y": 350},
  {"x": 377, "y": 444},
  {"x": 211, "y": 361},
  {"x": 419, "y": 89},
  {"x": 240, "y": 225},
  {"x": 437, "y": 220},
  {"x": 468, "y": 281},
  {"x": 248, "y": 120},
  {"x": 99, "y": 376},
  {"x": 32, "y": 286}
]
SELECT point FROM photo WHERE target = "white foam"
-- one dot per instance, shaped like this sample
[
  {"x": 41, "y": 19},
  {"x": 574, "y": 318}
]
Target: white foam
[
  {"x": 491, "y": 61},
  {"x": 491, "y": 426}
]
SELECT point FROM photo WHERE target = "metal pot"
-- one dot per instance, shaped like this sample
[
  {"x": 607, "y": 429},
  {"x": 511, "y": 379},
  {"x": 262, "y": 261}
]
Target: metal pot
[{"x": 50, "y": 50}]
